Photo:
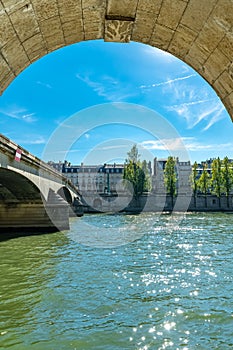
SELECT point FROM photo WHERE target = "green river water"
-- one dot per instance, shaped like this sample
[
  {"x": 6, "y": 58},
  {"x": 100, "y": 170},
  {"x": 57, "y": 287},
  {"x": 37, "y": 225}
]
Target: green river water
[{"x": 120, "y": 282}]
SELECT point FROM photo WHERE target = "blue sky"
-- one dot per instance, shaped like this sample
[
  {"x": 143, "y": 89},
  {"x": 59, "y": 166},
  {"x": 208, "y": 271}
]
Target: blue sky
[{"x": 88, "y": 74}]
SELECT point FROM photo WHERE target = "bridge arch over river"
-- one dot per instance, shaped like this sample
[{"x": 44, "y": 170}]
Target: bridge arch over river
[
  {"x": 196, "y": 31},
  {"x": 32, "y": 194}
]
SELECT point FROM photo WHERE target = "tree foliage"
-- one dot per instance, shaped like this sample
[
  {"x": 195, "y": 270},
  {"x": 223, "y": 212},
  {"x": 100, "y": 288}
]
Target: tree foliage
[
  {"x": 227, "y": 178},
  {"x": 203, "y": 182},
  {"x": 170, "y": 177},
  {"x": 133, "y": 155},
  {"x": 216, "y": 178},
  {"x": 136, "y": 172},
  {"x": 147, "y": 182}
]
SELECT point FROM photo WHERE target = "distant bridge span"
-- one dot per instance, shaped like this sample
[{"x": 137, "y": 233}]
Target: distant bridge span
[{"x": 32, "y": 194}]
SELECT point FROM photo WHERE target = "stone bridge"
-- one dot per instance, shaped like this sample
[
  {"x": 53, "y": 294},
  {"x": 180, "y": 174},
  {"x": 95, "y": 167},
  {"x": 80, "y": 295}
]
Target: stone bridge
[
  {"x": 32, "y": 194},
  {"x": 199, "y": 32}
]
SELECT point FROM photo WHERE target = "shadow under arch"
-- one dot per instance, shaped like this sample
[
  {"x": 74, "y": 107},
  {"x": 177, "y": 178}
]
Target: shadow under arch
[
  {"x": 16, "y": 187},
  {"x": 65, "y": 194},
  {"x": 24, "y": 210}
]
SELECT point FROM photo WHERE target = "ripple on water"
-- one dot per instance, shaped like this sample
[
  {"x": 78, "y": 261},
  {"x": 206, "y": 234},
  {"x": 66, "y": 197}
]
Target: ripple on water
[{"x": 165, "y": 289}]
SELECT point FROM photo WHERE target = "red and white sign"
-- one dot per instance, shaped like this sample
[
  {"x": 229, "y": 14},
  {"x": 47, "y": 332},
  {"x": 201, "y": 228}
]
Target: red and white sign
[{"x": 18, "y": 155}]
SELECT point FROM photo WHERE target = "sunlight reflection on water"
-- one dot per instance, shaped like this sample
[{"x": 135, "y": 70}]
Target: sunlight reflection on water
[{"x": 162, "y": 291}]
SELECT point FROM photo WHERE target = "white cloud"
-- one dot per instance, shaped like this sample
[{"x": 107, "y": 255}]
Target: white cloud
[
  {"x": 48, "y": 86},
  {"x": 190, "y": 143},
  {"x": 19, "y": 114},
  {"x": 155, "y": 52},
  {"x": 196, "y": 104},
  {"x": 173, "y": 144},
  {"x": 168, "y": 82},
  {"x": 107, "y": 87}
]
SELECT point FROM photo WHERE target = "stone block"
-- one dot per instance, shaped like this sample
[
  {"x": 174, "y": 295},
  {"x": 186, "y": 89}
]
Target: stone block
[
  {"x": 226, "y": 45},
  {"x": 25, "y": 23},
  {"x": 196, "y": 57},
  {"x": 93, "y": 23},
  {"x": 6, "y": 29},
  {"x": 223, "y": 85},
  {"x": 196, "y": 13},
  {"x": 181, "y": 41},
  {"x": 16, "y": 56},
  {"x": 45, "y": 9},
  {"x": 6, "y": 74},
  {"x": 223, "y": 14},
  {"x": 94, "y": 34},
  {"x": 148, "y": 6},
  {"x": 122, "y": 8},
  {"x": 161, "y": 37},
  {"x": 73, "y": 31},
  {"x": 210, "y": 35},
  {"x": 13, "y": 5},
  {"x": 118, "y": 31},
  {"x": 94, "y": 5},
  {"x": 171, "y": 13},
  {"x": 35, "y": 47},
  {"x": 143, "y": 27},
  {"x": 70, "y": 10},
  {"x": 52, "y": 33},
  {"x": 214, "y": 65}
]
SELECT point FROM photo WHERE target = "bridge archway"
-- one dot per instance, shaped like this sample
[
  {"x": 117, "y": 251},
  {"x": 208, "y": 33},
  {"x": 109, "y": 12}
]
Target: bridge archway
[
  {"x": 197, "y": 32},
  {"x": 18, "y": 188},
  {"x": 65, "y": 194}
]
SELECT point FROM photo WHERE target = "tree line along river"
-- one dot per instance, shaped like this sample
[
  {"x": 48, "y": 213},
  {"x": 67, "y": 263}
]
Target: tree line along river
[{"x": 114, "y": 282}]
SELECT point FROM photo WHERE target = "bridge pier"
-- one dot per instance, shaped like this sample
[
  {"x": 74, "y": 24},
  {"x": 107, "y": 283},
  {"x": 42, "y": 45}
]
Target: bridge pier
[{"x": 33, "y": 217}]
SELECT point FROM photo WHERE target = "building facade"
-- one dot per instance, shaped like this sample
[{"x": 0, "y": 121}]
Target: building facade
[
  {"x": 101, "y": 179},
  {"x": 183, "y": 174},
  {"x": 108, "y": 178}
]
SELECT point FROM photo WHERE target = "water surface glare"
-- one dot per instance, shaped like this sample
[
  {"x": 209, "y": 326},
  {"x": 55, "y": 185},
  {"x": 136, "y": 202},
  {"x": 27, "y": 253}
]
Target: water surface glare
[{"x": 168, "y": 289}]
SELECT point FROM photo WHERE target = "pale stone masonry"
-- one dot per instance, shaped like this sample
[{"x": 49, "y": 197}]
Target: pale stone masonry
[{"x": 199, "y": 32}]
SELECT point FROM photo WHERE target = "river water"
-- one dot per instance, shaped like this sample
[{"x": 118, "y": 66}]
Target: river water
[{"x": 164, "y": 284}]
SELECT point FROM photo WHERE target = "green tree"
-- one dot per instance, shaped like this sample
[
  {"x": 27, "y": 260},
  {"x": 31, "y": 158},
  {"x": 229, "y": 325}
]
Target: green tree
[
  {"x": 133, "y": 155},
  {"x": 227, "y": 178},
  {"x": 194, "y": 182},
  {"x": 216, "y": 179},
  {"x": 170, "y": 178},
  {"x": 147, "y": 182},
  {"x": 134, "y": 173},
  {"x": 204, "y": 182}
]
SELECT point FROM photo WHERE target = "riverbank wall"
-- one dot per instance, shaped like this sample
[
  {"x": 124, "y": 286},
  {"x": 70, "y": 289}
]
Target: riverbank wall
[{"x": 159, "y": 203}]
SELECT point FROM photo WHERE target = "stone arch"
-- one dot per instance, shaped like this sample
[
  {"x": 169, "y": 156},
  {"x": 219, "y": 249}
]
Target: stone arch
[
  {"x": 65, "y": 194},
  {"x": 196, "y": 31},
  {"x": 18, "y": 188}
]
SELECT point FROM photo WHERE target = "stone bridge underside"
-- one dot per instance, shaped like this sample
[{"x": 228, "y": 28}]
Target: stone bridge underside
[
  {"x": 199, "y": 32},
  {"x": 15, "y": 187}
]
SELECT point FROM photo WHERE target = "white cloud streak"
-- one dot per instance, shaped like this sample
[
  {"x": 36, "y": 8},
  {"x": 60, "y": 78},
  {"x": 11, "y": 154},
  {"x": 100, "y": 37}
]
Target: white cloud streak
[
  {"x": 107, "y": 87},
  {"x": 190, "y": 143},
  {"x": 48, "y": 86},
  {"x": 19, "y": 114},
  {"x": 167, "y": 82}
]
